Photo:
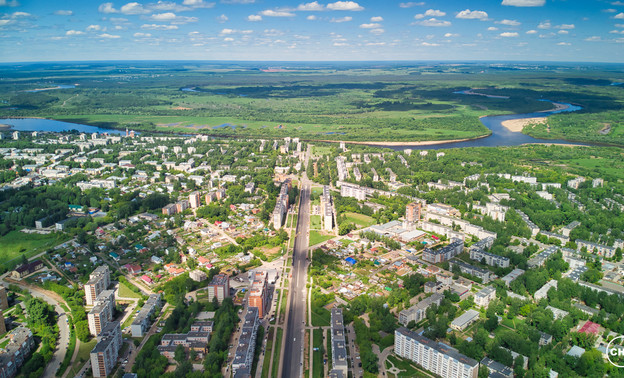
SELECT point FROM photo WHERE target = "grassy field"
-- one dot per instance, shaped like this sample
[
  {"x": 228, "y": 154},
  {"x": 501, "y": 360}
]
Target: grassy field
[
  {"x": 16, "y": 243},
  {"x": 360, "y": 219},
  {"x": 125, "y": 292},
  {"x": 317, "y": 237},
  {"x": 276, "y": 352},
  {"x": 407, "y": 369},
  {"x": 315, "y": 222},
  {"x": 513, "y": 323},
  {"x": 83, "y": 356},
  {"x": 267, "y": 354},
  {"x": 317, "y": 355}
]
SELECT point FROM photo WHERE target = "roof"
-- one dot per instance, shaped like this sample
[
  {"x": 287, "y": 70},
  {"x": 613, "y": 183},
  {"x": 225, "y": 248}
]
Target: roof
[
  {"x": 590, "y": 328},
  {"x": 441, "y": 348},
  {"x": 351, "y": 260},
  {"x": 576, "y": 351}
]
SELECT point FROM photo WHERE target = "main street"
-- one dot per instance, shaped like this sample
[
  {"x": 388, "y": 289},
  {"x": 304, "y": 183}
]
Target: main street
[{"x": 292, "y": 352}]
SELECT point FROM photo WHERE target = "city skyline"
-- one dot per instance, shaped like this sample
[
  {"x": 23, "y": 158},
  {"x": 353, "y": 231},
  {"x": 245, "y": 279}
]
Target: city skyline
[{"x": 515, "y": 30}]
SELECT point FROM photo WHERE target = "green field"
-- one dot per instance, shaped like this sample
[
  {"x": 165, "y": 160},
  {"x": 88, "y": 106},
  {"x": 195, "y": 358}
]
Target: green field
[
  {"x": 407, "y": 369},
  {"x": 276, "y": 352},
  {"x": 267, "y": 354},
  {"x": 16, "y": 243},
  {"x": 317, "y": 355},
  {"x": 125, "y": 292},
  {"x": 360, "y": 219},
  {"x": 315, "y": 222},
  {"x": 316, "y": 237}
]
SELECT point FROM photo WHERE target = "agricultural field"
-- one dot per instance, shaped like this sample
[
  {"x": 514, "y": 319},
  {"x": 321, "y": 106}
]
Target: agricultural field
[{"x": 372, "y": 104}]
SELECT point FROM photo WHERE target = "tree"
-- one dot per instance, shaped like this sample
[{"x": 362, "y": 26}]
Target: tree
[{"x": 179, "y": 354}]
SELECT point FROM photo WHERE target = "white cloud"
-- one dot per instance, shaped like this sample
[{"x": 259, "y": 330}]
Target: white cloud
[
  {"x": 20, "y": 14},
  {"x": 5, "y": 3},
  {"x": 449, "y": 35},
  {"x": 370, "y": 26},
  {"x": 434, "y": 22},
  {"x": 531, "y": 31},
  {"x": 617, "y": 3},
  {"x": 94, "y": 28},
  {"x": 227, "y": 31},
  {"x": 133, "y": 8},
  {"x": 142, "y": 35},
  {"x": 165, "y": 17},
  {"x": 611, "y": 10},
  {"x": 311, "y": 17},
  {"x": 435, "y": 13},
  {"x": 222, "y": 18},
  {"x": 276, "y": 13},
  {"x": 341, "y": 19},
  {"x": 472, "y": 15},
  {"x": 619, "y": 25},
  {"x": 198, "y": 4},
  {"x": 107, "y": 8},
  {"x": 524, "y": 3},
  {"x": 109, "y": 36},
  {"x": 563, "y": 44},
  {"x": 509, "y": 34},
  {"x": 273, "y": 32},
  {"x": 617, "y": 32},
  {"x": 593, "y": 39},
  {"x": 313, "y": 6},
  {"x": 158, "y": 27},
  {"x": 254, "y": 17},
  {"x": 563, "y": 32},
  {"x": 411, "y": 4},
  {"x": 619, "y": 16},
  {"x": 340, "y": 44},
  {"x": 74, "y": 32},
  {"x": 509, "y": 22},
  {"x": 429, "y": 44},
  {"x": 378, "y": 31},
  {"x": 62, "y": 12},
  {"x": 376, "y": 44},
  {"x": 492, "y": 28},
  {"x": 228, "y": 39},
  {"x": 117, "y": 20},
  {"x": 544, "y": 25},
  {"x": 376, "y": 19},
  {"x": 565, "y": 26},
  {"x": 345, "y": 6}
]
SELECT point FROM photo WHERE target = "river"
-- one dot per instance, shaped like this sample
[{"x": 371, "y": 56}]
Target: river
[{"x": 501, "y": 136}]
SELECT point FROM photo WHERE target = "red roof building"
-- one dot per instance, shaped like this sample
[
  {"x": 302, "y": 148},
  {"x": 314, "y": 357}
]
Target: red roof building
[
  {"x": 146, "y": 279},
  {"x": 590, "y": 328}
]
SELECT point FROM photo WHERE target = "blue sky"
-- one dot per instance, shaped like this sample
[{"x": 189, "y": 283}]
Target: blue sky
[{"x": 521, "y": 30}]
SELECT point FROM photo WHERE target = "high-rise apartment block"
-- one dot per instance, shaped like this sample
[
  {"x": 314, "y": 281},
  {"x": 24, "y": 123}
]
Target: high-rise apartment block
[
  {"x": 219, "y": 288},
  {"x": 102, "y": 312},
  {"x": 98, "y": 282},
  {"x": 104, "y": 355},
  {"x": 259, "y": 294}
]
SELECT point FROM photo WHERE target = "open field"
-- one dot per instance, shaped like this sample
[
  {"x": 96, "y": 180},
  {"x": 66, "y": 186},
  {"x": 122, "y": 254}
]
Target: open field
[
  {"x": 317, "y": 237},
  {"x": 360, "y": 219},
  {"x": 388, "y": 102},
  {"x": 16, "y": 243},
  {"x": 125, "y": 292}
]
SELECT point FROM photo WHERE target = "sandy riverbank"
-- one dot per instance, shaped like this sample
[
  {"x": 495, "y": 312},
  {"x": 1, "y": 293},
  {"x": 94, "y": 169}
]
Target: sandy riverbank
[{"x": 516, "y": 125}]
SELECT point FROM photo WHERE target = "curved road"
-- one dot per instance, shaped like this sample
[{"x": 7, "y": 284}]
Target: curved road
[
  {"x": 63, "y": 341},
  {"x": 292, "y": 347}
]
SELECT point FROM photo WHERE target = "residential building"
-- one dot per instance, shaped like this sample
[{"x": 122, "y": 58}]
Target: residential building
[
  {"x": 182, "y": 205},
  {"x": 454, "y": 248},
  {"x": 464, "y": 320},
  {"x": 26, "y": 269},
  {"x": 196, "y": 339},
  {"x": 353, "y": 191},
  {"x": 465, "y": 268},
  {"x": 435, "y": 357},
  {"x": 463, "y": 225},
  {"x": 104, "y": 355},
  {"x": 219, "y": 287},
  {"x": 509, "y": 278},
  {"x": 599, "y": 249},
  {"x": 14, "y": 354},
  {"x": 4, "y": 302},
  {"x": 418, "y": 312},
  {"x": 543, "y": 291},
  {"x": 243, "y": 357},
  {"x": 491, "y": 259},
  {"x": 99, "y": 281},
  {"x": 102, "y": 312},
  {"x": 339, "y": 343},
  {"x": 198, "y": 275},
  {"x": 497, "y": 369},
  {"x": 327, "y": 209},
  {"x": 484, "y": 296},
  {"x": 576, "y": 182},
  {"x": 141, "y": 323},
  {"x": 413, "y": 212},
  {"x": 532, "y": 226},
  {"x": 195, "y": 200},
  {"x": 259, "y": 294},
  {"x": 170, "y": 209},
  {"x": 442, "y": 230}
]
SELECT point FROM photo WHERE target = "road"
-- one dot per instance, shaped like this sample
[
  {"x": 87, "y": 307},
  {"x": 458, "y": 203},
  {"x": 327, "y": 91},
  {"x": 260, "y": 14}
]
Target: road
[
  {"x": 292, "y": 352},
  {"x": 63, "y": 340}
]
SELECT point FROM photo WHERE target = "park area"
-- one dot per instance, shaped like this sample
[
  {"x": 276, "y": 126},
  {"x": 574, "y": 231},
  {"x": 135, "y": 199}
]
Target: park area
[{"x": 16, "y": 243}]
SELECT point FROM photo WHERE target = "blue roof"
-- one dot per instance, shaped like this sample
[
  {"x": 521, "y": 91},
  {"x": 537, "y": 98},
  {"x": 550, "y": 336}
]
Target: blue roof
[
  {"x": 113, "y": 254},
  {"x": 351, "y": 260}
]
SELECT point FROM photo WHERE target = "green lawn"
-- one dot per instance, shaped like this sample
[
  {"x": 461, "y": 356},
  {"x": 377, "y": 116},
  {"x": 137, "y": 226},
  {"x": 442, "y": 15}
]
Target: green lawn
[
  {"x": 16, "y": 243},
  {"x": 267, "y": 354},
  {"x": 125, "y": 292},
  {"x": 83, "y": 356},
  {"x": 316, "y": 237},
  {"x": 512, "y": 323},
  {"x": 407, "y": 369},
  {"x": 276, "y": 352},
  {"x": 360, "y": 219},
  {"x": 5, "y": 342},
  {"x": 317, "y": 355},
  {"x": 315, "y": 222}
]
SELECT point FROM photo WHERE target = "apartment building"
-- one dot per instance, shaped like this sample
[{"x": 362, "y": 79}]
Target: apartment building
[
  {"x": 105, "y": 353},
  {"x": 102, "y": 312},
  {"x": 418, "y": 311},
  {"x": 141, "y": 323},
  {"x": 99, "y": 281},
  {"x": 219, "y": 288},
  {"x": 445, "y": 253},
  {"x": 339, "y": 343},
  {"x": 243, "y": 357},
  {"x": 433, "y": 356},
  {"x": 259, "y": 294}
]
